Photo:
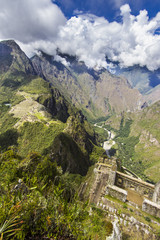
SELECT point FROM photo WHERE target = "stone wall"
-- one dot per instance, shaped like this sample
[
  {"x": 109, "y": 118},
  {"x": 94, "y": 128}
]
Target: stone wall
[
  {"x": 97, "y": 188},
  {"x": 117, "y": 192},
  {"x": 133, "y": 225},
  {"x": 127, "y": 182},
  {"x": 105, "y": 174},
  {"x": 109, "y": 181},
  {"x": 106, "y": 160},
  {"x": 151, "y": 208},
  {"x": 156, "y": 195}
]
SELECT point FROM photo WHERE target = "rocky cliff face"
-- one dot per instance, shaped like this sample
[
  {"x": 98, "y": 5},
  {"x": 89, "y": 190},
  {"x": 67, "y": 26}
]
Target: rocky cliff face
[{"x": 97, "y": 92}]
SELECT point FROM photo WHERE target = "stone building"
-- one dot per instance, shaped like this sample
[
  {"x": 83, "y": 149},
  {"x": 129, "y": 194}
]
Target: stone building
[{"x": 109, "y": 181}]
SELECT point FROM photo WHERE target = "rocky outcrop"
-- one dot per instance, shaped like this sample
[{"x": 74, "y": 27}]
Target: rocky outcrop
[
  {"x": 148, "y": 139},
  {"x": 129, "y": 225},
  {"x": 76, "y": 127}
]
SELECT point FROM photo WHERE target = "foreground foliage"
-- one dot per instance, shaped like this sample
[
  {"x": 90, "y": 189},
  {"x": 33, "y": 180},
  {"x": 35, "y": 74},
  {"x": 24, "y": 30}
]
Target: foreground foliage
[{"x": 37, "y": 201}]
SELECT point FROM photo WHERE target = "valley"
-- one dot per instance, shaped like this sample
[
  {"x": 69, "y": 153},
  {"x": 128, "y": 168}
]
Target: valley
[{"x": 65, "y": 130}]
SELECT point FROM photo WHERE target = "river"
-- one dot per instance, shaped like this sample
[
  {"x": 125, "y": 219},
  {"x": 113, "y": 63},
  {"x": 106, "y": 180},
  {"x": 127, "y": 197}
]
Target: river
[{"x": 107, "y": 145}]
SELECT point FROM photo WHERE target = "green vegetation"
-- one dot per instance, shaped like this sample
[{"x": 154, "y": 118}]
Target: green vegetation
[
  {"x": 7, "y": 122},
  {"x": 36, "y": 86},
  {"x": 126, "y": 148},
  {"x": 96, "y": 153},
  {"x": 98, "y": 120},
  {"x": 37, "y": 136},
  {"x": 138, "y": 142},
  {"x": 44, "y": 199},
  {"x": 38, "y": 198},
  {"x": 47, "y": 147},
  {"x": 13, "y": 80},
  {"x": 131, "y": 211},
  {"x": 102, "y": 134},
  {"x": 9, "y": 227},
  {"x": 8, "y": 139},
  {"x": 8, "y": 96},
  {"x": 37, "y": 202},
  {"x": 124, "y": 130}
]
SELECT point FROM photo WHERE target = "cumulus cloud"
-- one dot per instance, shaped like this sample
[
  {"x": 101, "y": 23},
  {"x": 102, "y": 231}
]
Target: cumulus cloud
[
  {"x": 130, "y": 42},
  {"x": 40, "y": 25},
  {"x": 32, "y": 23}
]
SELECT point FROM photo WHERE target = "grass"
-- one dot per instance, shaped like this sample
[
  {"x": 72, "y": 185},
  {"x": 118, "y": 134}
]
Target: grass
[
  {"x": 126, "y": 147},
  {"x": 37, "y": 136},
  {"x": 154, "y": 172},
  {"x": 40, "y": 116},
  {"x": 102, "y": 134},
  {"x": 96, "y": 153},
  {"x": 7, "y": 122},
  {"x": 145, "y": 126},
  {"x": 36, "y": 86},
  {"x": 99, "y": 227}
]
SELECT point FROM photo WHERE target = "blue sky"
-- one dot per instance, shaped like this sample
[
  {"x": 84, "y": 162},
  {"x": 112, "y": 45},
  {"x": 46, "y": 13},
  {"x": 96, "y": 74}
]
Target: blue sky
[
  {"x": 123, "y": 31},
  {"x": 107, "y": 8}
]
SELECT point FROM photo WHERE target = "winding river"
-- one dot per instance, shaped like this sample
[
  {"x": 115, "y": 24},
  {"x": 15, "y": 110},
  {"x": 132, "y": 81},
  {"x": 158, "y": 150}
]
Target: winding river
[{"x": 107, "y": 145}]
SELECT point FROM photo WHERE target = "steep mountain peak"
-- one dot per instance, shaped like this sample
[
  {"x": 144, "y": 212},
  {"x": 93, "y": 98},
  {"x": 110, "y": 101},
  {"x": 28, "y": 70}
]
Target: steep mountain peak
[
  {"x": 12, "y": 44},
  {"x": 13, "y": 59}
]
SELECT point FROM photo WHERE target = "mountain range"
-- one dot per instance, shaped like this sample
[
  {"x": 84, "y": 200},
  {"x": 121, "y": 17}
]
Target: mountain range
[
  {"x": 35, "y": 116},
  {"x": 55, "y": 90},
  {"x": 54, "y": 117},
  {"x": 99, "y": 92}
]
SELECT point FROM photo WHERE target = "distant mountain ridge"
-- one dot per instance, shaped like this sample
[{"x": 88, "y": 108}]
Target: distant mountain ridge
[
  {"x": 97, "y": 92},
  {"x": 147, "y": 82}
]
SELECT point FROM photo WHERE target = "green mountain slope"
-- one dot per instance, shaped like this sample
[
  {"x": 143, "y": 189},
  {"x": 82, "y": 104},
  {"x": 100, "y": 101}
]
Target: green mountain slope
[
  {"x": 138, "y": 141},
  {"x": 47, "y": 146},
  {"x": 146, "y": 125},
  {"x": 36, "y": 117}
]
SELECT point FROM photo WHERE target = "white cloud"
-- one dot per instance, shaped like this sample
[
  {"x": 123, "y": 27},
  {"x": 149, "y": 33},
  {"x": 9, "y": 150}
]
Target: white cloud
[
  {"x": 30, "y": 21},
  {"x": 133, "y": 41},
  {"x": 125, "y": 9},
  {"x": 40, "y": 24}
]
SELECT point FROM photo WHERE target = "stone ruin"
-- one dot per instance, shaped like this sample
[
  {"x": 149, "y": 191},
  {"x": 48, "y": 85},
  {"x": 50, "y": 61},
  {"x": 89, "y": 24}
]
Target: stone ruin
[{"x": 109, "y": 181}]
